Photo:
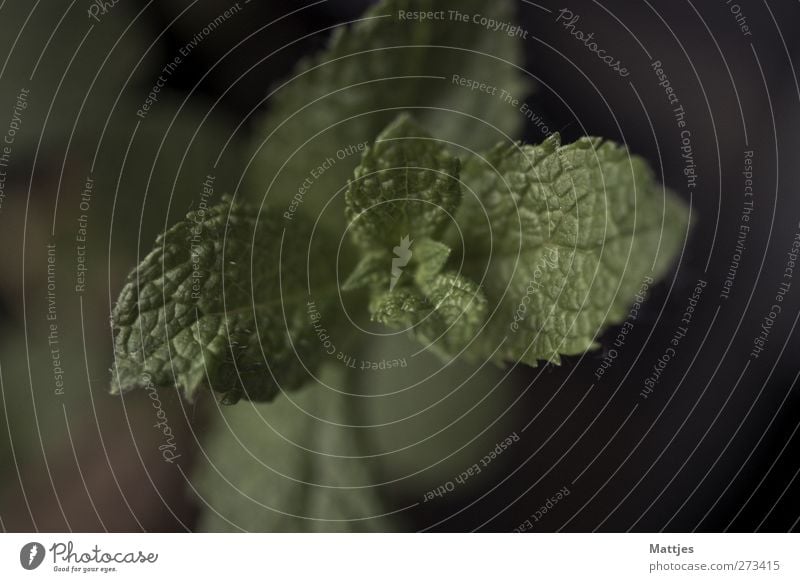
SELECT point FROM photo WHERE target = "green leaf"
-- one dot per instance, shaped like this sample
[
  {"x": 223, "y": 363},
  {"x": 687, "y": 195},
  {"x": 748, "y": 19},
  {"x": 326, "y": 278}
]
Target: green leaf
[
  {"x": 376, "y": 268},
  {"x": 554, "y": 242},
  {"x": 572, "y": 232},
  {"x": 216, "y": 302},
  {"x": 406, "y": 186},
  {"x": 431, "y": 257},
  {"x": 443, "y": 313},
  {"x": 404, "y": 194},
  {"x": 295, "y": 467},
  {"x": 383, "y": 63},
  {"x": 371, "y": 271}
]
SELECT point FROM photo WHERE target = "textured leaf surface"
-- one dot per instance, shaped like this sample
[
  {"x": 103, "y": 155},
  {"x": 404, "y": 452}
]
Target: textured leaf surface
[
  {"x": 371, "y": 271},
  {"x": 406, "y": 186},
  {"x": 444, "y": 312},
  {"x": 553, "y": 243},
  {"x": 572, "y": 232},
  {"x": 431, "y": 257},
  {"x": 404, "y": 195},
  {"x": 206, "y": 307}
]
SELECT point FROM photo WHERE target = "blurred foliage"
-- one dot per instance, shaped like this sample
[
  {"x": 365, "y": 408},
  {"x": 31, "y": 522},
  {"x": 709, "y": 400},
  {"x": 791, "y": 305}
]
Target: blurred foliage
[
  {"x": 86, "y": 82},
  {"x": 349, "y": 454},
  {"x": 348, "y": 93}
]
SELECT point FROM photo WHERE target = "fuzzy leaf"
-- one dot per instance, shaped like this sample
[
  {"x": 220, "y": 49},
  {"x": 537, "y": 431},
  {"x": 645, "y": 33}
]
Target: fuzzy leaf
[
  {"x": 206, "y": 307},
  {"x": 564, "y": 236},
  {"x": 559, "y": 237},
  {"x": 379, "y": 270},
  {"x": 371, "y": 271},
  {"x": 406, "y": 187},
  {"x": 431, "y": 257},
  {"x": 405, "y": 193},
  {"x": 444, "y": 313}
]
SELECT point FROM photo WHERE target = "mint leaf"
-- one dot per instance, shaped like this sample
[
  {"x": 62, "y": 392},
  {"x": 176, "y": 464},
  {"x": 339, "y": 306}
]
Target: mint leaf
[
  {"x": 443, "y": 313},
  {"x": 404, "y": 194},
  {"x": 371, "y": 271},
  {"x": 378, "y": 269},
  {"x": 293, "y": 467},
  {"x": 431, "y": 257},
  {"x": 406, "y": 186},
  {"x": 348, "y": 93},
  {"x": 206, "y": 306},
  {"x": 574, "y": 229},
  {"x": 559, "y": 237}
]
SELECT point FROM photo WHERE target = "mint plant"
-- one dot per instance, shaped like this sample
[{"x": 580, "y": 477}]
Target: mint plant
[
  {"x": 478, "y": 247},
  {"x": 229, "y": 311}
]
